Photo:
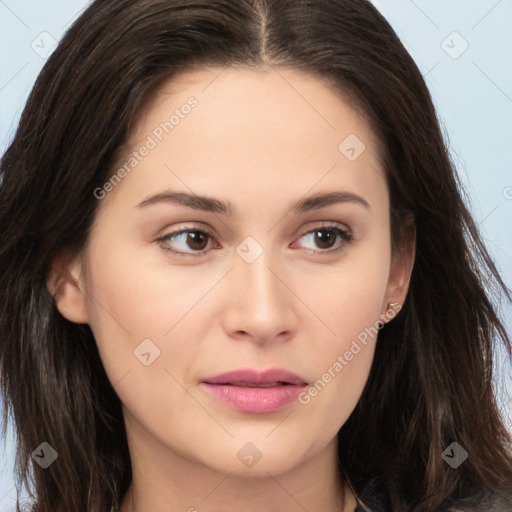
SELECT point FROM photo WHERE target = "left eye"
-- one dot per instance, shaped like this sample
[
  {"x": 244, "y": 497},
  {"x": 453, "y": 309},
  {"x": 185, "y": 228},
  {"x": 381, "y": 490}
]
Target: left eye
[
  {"x": 326, "y": 236},
  {"x": 197, "y": 240}
]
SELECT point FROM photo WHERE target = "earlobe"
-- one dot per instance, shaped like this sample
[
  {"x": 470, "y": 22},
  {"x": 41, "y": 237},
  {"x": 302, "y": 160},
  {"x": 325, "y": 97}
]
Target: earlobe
[
  {"x": 400, "y": 277},
  {"x": 400, "y": 274},
  {"x": 63, "y": 282},
  {"x": 392, "y": 310}
]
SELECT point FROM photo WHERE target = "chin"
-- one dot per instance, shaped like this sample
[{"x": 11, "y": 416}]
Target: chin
[
  {"x": 261, "y": 469},
  {"x": 257, "y": 459}
]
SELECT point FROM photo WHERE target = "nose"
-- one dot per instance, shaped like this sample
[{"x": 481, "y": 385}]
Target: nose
[{"x": 261, "y": 303}]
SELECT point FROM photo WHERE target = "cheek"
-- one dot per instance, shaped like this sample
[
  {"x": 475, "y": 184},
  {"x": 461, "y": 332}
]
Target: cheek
[
  {"x": 131, "y": 301},
  {"x": 132, "y": 309},
  {"x": 342, "y": 368},
  {"x": 349, "y": 299},
  {"x": 350, "y": 305}
]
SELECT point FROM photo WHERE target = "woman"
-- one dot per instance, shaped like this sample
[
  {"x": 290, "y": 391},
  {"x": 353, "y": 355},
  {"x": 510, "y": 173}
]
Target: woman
[{"x": 320, "y": 339}]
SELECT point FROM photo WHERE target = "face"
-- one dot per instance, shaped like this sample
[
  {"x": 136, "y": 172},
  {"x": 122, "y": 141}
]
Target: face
[{"x": 254, "y": 276}]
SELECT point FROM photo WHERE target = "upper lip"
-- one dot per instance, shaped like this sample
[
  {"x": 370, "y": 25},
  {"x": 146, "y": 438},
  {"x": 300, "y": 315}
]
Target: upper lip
[{"x": 252, "y": 377}]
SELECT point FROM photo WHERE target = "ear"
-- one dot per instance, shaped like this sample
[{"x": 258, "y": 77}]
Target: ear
[
  {"x": 400, "y": 273},
  {"x": 63, "y": 282}
]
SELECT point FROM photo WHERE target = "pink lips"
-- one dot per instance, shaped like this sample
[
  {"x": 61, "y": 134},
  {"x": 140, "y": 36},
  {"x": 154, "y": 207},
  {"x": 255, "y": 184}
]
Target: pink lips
[{"x": 254, "y": 391}]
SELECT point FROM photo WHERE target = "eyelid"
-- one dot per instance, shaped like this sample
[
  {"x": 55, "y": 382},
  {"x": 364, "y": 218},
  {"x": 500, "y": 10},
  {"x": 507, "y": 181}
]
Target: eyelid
[
  {"x": 348, "y": 237},
  {"x": 325, "y": 224},
  {"x": 344, "y": 230},
  {"x": 186, "y": 229}
]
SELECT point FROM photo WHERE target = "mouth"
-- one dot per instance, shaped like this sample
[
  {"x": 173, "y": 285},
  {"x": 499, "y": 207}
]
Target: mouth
[
  {"x": 254, "y": 391},
  {"x": 244, "y": 384}
]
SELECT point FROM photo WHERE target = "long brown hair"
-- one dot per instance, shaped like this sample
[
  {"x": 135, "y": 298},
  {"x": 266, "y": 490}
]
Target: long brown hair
[{"x": 431, "y": 381}]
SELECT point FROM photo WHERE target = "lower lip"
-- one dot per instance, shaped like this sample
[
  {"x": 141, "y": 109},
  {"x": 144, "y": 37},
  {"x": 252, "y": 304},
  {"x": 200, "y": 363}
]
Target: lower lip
[{"x": 255, "y": 400}]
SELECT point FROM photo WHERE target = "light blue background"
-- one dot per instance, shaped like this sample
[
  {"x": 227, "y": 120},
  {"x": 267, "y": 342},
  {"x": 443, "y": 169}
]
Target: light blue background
[{"x": 473, "y": 95}]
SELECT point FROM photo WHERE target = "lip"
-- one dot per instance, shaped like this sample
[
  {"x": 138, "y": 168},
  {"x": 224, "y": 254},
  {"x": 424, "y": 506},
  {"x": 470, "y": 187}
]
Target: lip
[{"x": 255, "y": 391}]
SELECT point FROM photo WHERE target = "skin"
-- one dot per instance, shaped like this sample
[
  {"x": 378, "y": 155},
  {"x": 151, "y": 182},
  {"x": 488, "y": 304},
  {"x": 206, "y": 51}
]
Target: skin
[{"x": 262, "y": 140}]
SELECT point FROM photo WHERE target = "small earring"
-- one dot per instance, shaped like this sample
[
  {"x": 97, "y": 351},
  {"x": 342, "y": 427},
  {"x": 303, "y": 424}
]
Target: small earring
[{"x": 392, "y": 310}]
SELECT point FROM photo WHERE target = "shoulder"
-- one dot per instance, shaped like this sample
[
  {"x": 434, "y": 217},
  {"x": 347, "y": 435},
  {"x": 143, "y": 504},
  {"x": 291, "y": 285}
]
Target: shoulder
[
  {"x": 482, "y": 501},
  {"x": 479, "y": 501}
]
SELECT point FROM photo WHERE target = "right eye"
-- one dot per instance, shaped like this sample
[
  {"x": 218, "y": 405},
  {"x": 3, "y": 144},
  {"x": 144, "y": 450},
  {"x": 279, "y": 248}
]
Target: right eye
[{"x": 195, "y": 239}]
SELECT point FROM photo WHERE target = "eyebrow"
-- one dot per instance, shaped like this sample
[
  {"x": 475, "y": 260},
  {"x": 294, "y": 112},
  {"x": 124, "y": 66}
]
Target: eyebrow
[{"x": 209, "y": 204}]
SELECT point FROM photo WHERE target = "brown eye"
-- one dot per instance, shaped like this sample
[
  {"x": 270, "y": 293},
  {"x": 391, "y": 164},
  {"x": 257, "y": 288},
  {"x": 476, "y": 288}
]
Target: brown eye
[
  {"x": 186, "y": 242},
  {"x": 324, "y": 238},
  {"x": 197, "y": 240}
]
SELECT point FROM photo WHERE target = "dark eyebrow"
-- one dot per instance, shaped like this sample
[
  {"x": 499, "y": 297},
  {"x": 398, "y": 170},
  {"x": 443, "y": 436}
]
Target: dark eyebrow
[
  {"x": 326, "y": 199},
  {"x": 194, "y": 201},
  {"x": 209, "y": 204}
]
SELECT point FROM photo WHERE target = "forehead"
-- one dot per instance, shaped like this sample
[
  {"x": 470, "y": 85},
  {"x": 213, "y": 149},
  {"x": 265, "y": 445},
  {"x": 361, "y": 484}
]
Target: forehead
[{"x": 235, "y": 129}]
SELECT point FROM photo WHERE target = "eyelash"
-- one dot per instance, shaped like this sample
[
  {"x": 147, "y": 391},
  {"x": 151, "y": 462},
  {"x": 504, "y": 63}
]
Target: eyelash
[{"x": 345, "y": 235}]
